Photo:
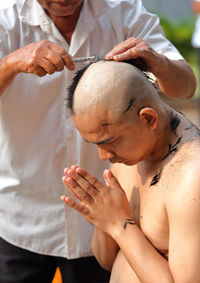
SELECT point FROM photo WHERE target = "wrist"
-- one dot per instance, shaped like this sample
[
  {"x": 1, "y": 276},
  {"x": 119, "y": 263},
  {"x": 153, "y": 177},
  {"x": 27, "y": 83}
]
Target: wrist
[
  {"x": 122, "y": 226},
  {"x": 163, "y": 66},
  {"x": 10, "y": 66}
]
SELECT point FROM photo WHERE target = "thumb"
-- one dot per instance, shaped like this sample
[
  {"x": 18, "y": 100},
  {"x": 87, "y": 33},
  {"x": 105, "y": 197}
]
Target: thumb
[{"x": 111, "y": 181}]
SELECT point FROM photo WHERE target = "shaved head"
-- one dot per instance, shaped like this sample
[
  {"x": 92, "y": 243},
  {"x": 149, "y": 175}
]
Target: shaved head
[
  {"x": 116, "y": 107},
  {"x": 112, "y": 86}
]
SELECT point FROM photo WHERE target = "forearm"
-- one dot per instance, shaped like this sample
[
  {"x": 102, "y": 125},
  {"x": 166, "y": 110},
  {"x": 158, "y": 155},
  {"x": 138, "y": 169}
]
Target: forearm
[
  {"x": 176, "y": 79},
  {"x": 105, "y": 249},
  {"x": 144, "y": 259},
  {"x": 7, "y": 73}
]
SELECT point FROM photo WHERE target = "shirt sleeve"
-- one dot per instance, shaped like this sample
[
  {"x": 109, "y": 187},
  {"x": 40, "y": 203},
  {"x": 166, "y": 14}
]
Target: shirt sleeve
[
  {"x": 137, "y": 22},
  {"x": 9, "y": 36}
]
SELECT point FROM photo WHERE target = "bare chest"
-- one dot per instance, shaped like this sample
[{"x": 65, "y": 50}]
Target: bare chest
[
  {"x": 152, "y": 217},
  {"x": 148, "y": 206}
]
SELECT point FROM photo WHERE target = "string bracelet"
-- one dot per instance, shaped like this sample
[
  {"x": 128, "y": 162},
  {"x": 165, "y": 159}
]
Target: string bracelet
[{"x": 128, "y": 221}]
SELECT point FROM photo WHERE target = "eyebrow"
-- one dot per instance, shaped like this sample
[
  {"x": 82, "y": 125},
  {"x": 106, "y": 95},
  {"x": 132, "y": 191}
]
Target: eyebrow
[{"x": 100, "y": 142}]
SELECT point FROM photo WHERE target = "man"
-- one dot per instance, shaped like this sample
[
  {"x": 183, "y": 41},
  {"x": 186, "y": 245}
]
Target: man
[
  {"x": 37, "y": 42},
  {"x": 155, "y": 238}
]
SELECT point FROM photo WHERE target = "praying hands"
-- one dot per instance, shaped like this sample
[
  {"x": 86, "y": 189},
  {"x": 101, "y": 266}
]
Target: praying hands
[{"x": 105, "y": 206}]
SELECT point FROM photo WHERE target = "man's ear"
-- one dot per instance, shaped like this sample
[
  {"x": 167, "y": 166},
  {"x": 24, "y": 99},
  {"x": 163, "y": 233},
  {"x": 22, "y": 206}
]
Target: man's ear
[{"x": 150, "y": 117}]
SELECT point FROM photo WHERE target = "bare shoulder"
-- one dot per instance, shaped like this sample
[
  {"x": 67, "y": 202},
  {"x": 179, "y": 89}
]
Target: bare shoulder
[
  {"x": 185, "y": 175},
  {"x": 124, "y": 172}
]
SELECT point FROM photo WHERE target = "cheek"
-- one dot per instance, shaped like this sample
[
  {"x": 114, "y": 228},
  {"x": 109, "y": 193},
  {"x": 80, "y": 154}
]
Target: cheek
[{"x": 129, "y": 147}]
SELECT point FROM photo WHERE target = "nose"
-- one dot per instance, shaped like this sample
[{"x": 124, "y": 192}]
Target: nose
[{"x": 105, "y": 154}]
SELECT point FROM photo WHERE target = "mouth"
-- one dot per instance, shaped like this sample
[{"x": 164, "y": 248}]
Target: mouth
[{"x": 60, "y": 4}]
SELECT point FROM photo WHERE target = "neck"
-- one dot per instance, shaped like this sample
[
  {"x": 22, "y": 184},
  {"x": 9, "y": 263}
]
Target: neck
[
  {"x": 66, "y": 24},
  {"x": 169, "y": 139}
]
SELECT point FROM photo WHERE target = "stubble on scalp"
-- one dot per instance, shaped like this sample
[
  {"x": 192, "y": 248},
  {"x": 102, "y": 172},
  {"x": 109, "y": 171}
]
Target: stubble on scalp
[{"x": 116, "y": 88}]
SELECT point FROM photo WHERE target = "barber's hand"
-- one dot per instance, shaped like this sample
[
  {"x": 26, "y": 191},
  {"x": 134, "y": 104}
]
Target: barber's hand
[
  {"x": 104, "y": 206},
  {"x": 136, "y": 48},
  {"x": 40, "y": 58}
]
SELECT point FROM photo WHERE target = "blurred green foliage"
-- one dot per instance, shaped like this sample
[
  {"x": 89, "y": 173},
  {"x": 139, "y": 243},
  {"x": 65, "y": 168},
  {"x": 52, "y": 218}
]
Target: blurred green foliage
[{"x": 180, "y": 34}]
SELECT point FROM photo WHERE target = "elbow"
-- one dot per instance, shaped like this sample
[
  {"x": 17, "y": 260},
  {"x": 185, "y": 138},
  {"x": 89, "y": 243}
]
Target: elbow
[
  {"x": 106, "y": 265},
  {"x": 192, "y": 87},
  {"x": 192, "y": 81},
  {"x": 105, "y": 262}
]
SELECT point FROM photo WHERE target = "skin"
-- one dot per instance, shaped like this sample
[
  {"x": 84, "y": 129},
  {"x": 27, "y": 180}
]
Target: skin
[{"x": 167, "y": 214}]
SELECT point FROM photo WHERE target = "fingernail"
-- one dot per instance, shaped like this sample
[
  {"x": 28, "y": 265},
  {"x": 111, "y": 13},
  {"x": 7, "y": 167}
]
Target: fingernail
[
  {"x": 71, "y": 173},
  {"x": 70, "y": 181}
]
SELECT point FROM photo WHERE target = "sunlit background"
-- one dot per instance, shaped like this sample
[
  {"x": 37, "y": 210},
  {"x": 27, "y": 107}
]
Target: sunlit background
[{"x": 177, "y": 20}]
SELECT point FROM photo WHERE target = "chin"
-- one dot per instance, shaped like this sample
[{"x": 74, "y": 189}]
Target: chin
[
  {"x": 128, "y": 162},
  {"x": 61, "y": 10},
  {"x": 125, "y": 162}
]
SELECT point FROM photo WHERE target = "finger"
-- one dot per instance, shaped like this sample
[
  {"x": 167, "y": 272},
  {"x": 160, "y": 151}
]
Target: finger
[
  {"x": 56, "y": 60},
  {"x": 68, "y": 61},
  {"x": 105, "y": 178},
  {"x": 74, "y": 167},
  {"x": 40, "y": 72},
  {"x": 91, "y": 179},
  {"x": 122, "y": 47},
  {"x": 47, "y": 66},
  {"x": 127, "y": 55},
  {"x": 83, "y": 183},
  {"x": 64, "y": 180},
  {"x": 111, "y": 180},
  {"x": 66, "y": 170},
  {"x": 78, "y": 191},
  {"x": 78, "y": 207},
  {"x": 57, "y": 48}
]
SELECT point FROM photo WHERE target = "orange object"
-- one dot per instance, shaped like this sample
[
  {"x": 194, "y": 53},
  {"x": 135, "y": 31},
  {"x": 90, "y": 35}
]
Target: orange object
[{"x": 57, "y": 277}]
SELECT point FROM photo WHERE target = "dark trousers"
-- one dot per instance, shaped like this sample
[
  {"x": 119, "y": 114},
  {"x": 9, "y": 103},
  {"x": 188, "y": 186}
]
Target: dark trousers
[{"x": 21, "y": 266}]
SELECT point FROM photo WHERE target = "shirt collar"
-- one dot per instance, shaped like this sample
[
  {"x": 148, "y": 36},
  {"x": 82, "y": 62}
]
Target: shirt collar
[{"x": 32, "y": 13}]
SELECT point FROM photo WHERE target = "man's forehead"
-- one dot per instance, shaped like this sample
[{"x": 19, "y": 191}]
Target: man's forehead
[{"x": 95, "y": 130}]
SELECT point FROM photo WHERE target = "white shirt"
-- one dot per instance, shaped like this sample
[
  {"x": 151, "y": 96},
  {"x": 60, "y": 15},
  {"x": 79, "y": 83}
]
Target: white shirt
[
  {"x": 37, "y": 136},
  {"x": 196, "y": 33}
]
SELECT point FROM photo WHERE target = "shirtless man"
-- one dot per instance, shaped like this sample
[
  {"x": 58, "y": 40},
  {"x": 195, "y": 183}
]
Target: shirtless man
[{"x": 149, "y": 231}]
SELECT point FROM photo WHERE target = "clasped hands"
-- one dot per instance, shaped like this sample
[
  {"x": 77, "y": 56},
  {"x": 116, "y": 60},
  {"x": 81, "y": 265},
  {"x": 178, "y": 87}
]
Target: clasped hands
[{"x": 105, "y": 206}]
